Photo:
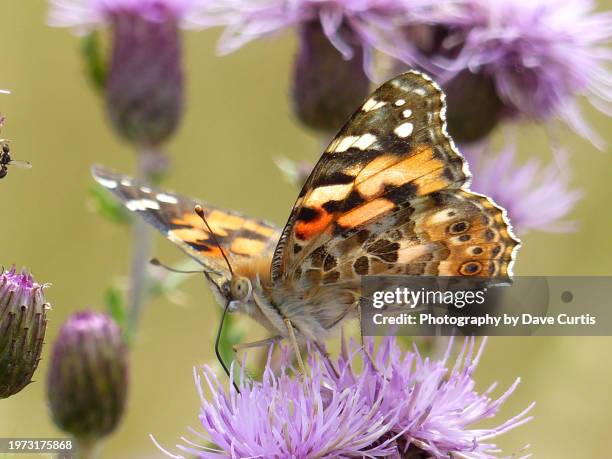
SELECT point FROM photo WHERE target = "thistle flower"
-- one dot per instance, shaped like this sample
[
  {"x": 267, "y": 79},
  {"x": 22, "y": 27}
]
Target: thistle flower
[
  {"x": 283, "y": 416},
  {"x": 337, "y": 41},
  {"x": 88, "y": 376},
  {"x": 402, "y": 406},
  {"x": 534, "y": 57},
  {"x": 144, "y": 82},
  {"x": 435, "y": 406},
  {"x": 370, "y": 22},
  {"x": 23, "y": 324},
  {"x": 536, "y": 197}
]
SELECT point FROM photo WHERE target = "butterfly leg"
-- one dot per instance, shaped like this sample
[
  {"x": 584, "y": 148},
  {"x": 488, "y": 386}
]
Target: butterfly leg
[
  {"x": 259, "y": 343},
  {"x": 323, "y": 351},
  {"x": 294, "y": 344},
  {"x": 363, "y": 346}
]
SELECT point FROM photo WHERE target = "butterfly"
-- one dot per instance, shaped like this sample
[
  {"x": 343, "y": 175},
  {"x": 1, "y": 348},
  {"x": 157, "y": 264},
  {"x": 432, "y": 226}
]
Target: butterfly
[{"x": 389, "y": 196}]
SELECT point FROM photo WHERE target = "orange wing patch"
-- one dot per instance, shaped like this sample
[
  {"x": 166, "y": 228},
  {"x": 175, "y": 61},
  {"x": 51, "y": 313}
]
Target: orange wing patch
[
  {"x": 250, "y": 247},
  {"x": 237, "y": 235},
  {"x": 419, "y": 167},
  {"x": 265, "y": 231},
  {"x": 363, "y": 214},
  {"x": 312, "y": 222}
]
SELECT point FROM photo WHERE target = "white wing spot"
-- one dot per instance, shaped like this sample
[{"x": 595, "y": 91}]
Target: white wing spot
[
  {"x": 145, "y": 189},
  {"x": 365, "y": 141},
  {"x": 107, "y": 183},
  {"x": 404, "y": 130},
  {"x": 126, "y": 182},
  {"x": 368, "y": 105},
  {"x": 407, "y": 113},
  {"x": 441, "y": 216},
  {"x": 373, "y": 104},
  {"x": 399, "y": 102},
  {"x": 166, "y": 198},
  {"x": 142, "y": 204},
  {"x": 345, "y": 143},
  {"x": 420, "y": 92},
  {"x": 323, "y": 194}
]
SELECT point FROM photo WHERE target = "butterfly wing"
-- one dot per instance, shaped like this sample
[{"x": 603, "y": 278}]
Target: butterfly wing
[
  {"x": 240, "y": 237},
  {"x": 390, "y": 196}
]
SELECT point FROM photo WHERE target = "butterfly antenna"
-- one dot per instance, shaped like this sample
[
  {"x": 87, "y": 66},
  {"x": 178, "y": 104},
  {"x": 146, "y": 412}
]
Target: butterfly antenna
[
  {"x": 217, "y": 350},
  {"x": 156, "y": 262},
  {"x": 200, "y": 211}
]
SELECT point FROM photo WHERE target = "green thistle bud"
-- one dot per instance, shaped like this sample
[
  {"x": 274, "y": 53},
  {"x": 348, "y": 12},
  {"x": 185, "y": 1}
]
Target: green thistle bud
[
  {"x": 22, "y": 329},
  {"x": 88, "y": 376}
]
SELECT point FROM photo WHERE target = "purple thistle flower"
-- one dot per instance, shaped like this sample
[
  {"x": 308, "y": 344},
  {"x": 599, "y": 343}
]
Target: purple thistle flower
[
  {"x": 537, "y": 55},
  {"x": 336, "y": 44},
  {"x": 371, "y": 22},
  {"x": 144, "y": 81},
  {"x": 434, "y": 405},
  {"x": 284, "y": 416},
  {"x": 535, "y": 197},
  {"x": 88, "y": 14},
  {"x": 400, "y": 406},
  {"x": 23, "y": 322}
]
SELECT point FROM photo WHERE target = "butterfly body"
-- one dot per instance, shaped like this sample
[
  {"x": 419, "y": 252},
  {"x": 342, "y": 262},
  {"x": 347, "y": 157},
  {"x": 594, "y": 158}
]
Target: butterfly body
[{"x": 389, "y": 196}]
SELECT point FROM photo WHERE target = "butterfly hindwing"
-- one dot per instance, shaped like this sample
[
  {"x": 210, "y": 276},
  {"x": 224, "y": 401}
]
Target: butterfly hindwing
[
  {"x": 389, "y": 196},
  {"x": 240, "y": 237}
]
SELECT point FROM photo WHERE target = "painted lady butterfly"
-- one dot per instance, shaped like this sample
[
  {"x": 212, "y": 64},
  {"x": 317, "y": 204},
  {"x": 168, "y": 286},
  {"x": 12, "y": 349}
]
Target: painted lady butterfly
[{"x": 389, "y": 196}]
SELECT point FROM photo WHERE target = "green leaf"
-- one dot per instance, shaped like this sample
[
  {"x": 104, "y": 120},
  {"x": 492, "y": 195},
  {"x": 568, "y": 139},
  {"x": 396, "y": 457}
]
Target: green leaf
[
  {"x": 108, "y": 207},
  {"x": 95, "y": 63}
]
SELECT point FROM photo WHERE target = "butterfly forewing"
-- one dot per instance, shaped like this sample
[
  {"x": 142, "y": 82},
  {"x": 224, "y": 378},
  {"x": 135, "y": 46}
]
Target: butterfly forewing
[
  {"x": 388, "y": 197},
  {"x": 239, "y": 236}
]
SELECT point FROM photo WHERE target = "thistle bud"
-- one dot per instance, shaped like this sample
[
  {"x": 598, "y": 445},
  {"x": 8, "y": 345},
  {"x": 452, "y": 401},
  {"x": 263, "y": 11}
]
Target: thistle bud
[
  {"x": 143, "y": 77},
  {"x": 327, "y": 87},
  {"x": 474, "y": 108},
  {"x": 22, "y": 329},
  {"x": 88, "y": 376},
  {"x": 144, "y": 90}
]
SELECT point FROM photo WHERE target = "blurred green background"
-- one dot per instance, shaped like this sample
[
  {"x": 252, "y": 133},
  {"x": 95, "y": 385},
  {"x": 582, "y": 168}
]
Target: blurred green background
[{"x": 238, "y": 120}]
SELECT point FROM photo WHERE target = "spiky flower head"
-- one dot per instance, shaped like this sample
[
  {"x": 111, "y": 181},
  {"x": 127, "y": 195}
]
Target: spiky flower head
[
  {"x": 535, "y": 57},
  {"x": 371, "y": 22},
  {"x": 536, "y": 197},
  {"x": 143, "y": 77},
  {"x": 88, "y": 376},
  {"x": 434, "y": 402},
  {"x": 283, "y": 416},
  {"x": 399, "y": 405},
  {"x": 337, "y": 40},
  {"x": 23, "y": 324}
]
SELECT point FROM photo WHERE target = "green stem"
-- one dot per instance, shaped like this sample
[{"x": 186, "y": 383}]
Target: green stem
[
  {"x": 141, "y": 248},
  {"x": 87, "y": 448}
]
